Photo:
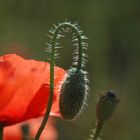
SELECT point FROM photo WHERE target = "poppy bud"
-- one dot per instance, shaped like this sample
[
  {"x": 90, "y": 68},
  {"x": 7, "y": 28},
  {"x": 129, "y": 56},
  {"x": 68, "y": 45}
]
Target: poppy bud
[
  {"x": 106, "y": 105},
  {"x": 73, "y": 93}
]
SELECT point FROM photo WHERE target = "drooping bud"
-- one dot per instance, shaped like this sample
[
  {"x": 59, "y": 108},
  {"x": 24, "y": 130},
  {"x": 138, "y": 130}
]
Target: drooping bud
[
  {"x": 73, "y": 93},
  {"x": 106, "y": 105}
]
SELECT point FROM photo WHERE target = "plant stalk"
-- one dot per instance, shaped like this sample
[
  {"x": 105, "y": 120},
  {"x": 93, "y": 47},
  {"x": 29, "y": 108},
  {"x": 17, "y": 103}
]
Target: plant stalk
[
  {"x": 1, "y": 132},
  {"x": 52, "y": 62},
  {"x": 48, "y": 109},
  {"x": 98, "y": 130}
]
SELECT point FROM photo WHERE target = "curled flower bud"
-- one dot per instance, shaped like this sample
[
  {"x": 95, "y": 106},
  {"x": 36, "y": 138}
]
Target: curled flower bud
[
  {"x": 73, "y": 93},
  {"x": 106, "y": 105}
]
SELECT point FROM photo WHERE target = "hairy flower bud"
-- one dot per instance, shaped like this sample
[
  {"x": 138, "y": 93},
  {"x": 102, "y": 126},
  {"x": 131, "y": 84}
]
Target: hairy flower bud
[
  {"x": 106, "y": 105},
  {"x": 73, "y": 93}
]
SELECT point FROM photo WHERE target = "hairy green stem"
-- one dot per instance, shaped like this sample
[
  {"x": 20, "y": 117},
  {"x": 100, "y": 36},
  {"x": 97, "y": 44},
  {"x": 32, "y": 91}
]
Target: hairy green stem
[
  {"x": 50, "y": 96},
  {"x": 98, "y": 130},
  {"x": 52, "y": 62},
  {"x": 1, "y": 132},
  {"x": 78, "y": 35}
]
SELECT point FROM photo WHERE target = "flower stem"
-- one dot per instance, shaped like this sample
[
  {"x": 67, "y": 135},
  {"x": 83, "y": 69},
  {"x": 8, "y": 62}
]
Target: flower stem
[
  {"x": 50, "y": 96},
  {"x": 53, "y": 46},
  {"x": 1, "y": 132},
  {"x": 98, "y": 130}
]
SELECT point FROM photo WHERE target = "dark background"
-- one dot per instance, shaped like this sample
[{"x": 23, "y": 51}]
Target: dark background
[{"x": 113, "y": 28}]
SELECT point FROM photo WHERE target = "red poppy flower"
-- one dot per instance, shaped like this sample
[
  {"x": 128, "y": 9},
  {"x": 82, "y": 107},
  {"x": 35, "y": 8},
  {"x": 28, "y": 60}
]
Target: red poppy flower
[
  {"x": 14, "y": 132},
  {"x": 24, "y": 88}
]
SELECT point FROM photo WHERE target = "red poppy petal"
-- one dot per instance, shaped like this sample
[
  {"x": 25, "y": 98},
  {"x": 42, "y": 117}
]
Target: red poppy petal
[{"x": 24, "y": 88}]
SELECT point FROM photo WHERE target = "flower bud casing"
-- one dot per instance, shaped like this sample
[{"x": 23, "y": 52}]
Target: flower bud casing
[
  {"x": 73, "y": 94},
  {"x": 106, "y": 105}
]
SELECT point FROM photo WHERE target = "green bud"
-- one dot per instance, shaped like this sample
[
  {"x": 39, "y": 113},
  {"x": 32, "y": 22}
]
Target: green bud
[
  {"x": 73, "y": 94},
  {"x": 106, "y": 105}
]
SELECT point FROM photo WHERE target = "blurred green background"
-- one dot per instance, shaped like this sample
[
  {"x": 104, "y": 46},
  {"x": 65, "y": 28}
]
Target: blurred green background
[{"x": 113, "y": 28}]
